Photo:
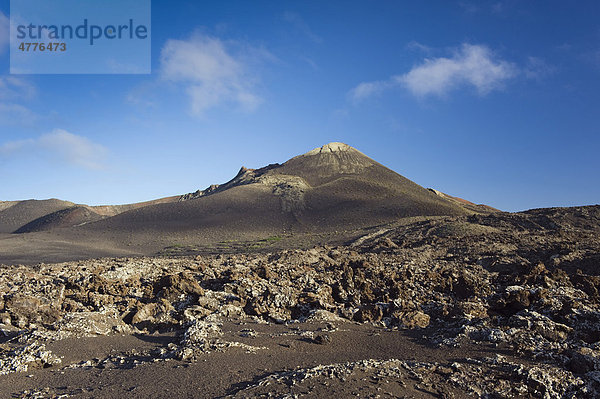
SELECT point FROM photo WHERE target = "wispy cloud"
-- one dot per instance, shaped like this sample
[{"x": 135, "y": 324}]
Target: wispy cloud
[
  {"x": 369, "y": 89},
  {"x": 310, "y": 62},
  {"x": 536, "y": 68},
  {"x": 14, "y": 88},
  {"x": 17, "y": 115},
  {"x": 416, "y": 46},
  {"x": 488, "y": 6},
  {"x": 144, "y": 95},
  {"x": 11, "y": 147},
  {"x": 13, "y": 91},
  {"x": 60, "y": 145},
  {"x": 498, "y": 7},
  {"x": 210, "y": 71},
  {"x": 300, "y": 25},
  {"x": 589, "y": 56},
  {"x": 473, "y": 66},
  {"x": 469, "y": 7},
  {"x": 4, "y": 32}
]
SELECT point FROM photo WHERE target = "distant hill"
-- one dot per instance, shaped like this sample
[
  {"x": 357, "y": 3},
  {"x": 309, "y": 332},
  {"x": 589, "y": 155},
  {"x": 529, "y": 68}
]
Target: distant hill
[
  {"x": 68, "y": 217},
  {"x": 19, "y": 213},
  {"x": 33, "y": 215}
]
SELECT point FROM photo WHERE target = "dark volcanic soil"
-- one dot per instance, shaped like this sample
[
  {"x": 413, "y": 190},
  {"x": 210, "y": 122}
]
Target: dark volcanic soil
[
  {"x": 499, "y": 306},
  {"x": 238, "y": 372}
]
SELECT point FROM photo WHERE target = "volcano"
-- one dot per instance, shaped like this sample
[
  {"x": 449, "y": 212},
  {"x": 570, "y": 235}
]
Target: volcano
[
  {"x": 325, "y": 194},
  {"x": 331, "y": 188}
]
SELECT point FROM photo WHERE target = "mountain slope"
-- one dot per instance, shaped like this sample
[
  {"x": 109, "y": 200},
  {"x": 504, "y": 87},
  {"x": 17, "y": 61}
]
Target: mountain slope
[
  {"x": 328, "y": 195},
  {"x": 470, "y": 206},
  {"x": 113, "y": 210},
  {"x": 22, "y": 212},
  {"x": 68, "y": 217},
  {"x": 32, "y": 215},
  {"x": 334, "y": 187},
  {"x": 337, "y": 178}
]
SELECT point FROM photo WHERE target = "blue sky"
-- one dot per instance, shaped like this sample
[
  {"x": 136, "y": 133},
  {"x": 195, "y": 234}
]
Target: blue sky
[{"x": 494, "y": 101}]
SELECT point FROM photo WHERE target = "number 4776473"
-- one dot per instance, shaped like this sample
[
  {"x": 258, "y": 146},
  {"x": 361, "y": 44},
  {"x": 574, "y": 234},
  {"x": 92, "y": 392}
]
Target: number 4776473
[{"x": 43, "y": 46}]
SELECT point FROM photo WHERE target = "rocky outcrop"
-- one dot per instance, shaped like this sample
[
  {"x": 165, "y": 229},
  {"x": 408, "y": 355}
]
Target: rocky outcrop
[{"x": 521, "y": 282}]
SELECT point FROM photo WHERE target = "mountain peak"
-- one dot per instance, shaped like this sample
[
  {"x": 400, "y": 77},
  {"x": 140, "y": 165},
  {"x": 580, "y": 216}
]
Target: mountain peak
[
  {"x": 331, "y": 147},
  {"x": 326, "y": 163}
]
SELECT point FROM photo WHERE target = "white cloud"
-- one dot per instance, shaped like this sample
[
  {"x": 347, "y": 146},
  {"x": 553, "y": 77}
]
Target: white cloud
[
  {"x": 144, "y": 95},
  {"x": 4, "y": 32},
  {"x": 537, "y": 69},
  {"x": 75, "y": 149},
  {"x": 310, "y": 62},
  {"x": 16, "y": 114},
  {"x": 12, "y": 147},
  {"x": 368, "y": 89},
  {"x": 472, "y": 65},
  {"x": 14, "y": 88},
  {"x": 298, "y": 22},
  {"x": 416, "y": 46},
  {"x": 210, "y": 72},
  {"x": 62, "y": 146}
]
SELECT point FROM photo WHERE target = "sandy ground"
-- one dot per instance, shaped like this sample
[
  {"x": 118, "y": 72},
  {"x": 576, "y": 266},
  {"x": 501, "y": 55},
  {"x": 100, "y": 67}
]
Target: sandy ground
[{"x": 235, "y": 371}]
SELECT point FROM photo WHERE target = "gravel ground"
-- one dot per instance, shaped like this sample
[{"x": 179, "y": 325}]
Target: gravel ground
[{"x": 498, "y": 306}]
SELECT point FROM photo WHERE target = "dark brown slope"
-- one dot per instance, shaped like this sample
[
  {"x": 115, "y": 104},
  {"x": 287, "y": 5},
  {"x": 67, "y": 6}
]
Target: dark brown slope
[
  {"x": 478, "y": 208},
  {"x": 22, "y": 212},
  {"x": 241, "y": 210},
  {"x": 350, "y": 188},
  {"x": 69, "y": 217},
  {"x": 332, "y": 188},
  {"x": 112, "y": 210},
  {"x": 32, "y": 215}
]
